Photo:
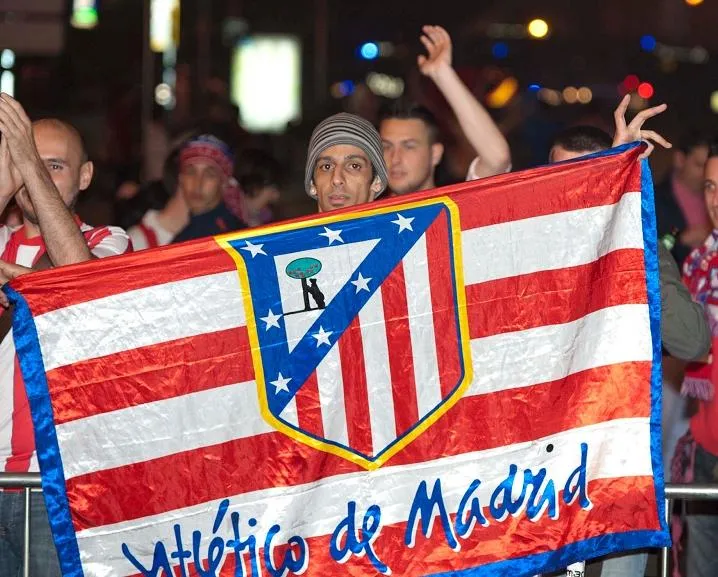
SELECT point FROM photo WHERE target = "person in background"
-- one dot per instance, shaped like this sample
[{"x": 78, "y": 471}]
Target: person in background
[
  {"x": 206, "y": 165},
  {"x": 410, "y": 134},
  {"x": 680, "y": 206},
  {"x": 258, "y": 184}
]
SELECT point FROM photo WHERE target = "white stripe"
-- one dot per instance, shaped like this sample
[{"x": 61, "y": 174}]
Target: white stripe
[
  {"x": 551, "y": 242},
  {"x": 140, "y": 318},
  {"x": 331, "y": 397},
  {"x": 145, "y": 432},
  {"x": 612, "y": 335},
  {"x": 421, "y": 328},
  {"x": 26, "y": 254},
  {"x": 7, "y": 397},
  {"x": 617, "y": 449},
  {"x": 289, "y": 413},
  {"x": 378, "y": 375}
]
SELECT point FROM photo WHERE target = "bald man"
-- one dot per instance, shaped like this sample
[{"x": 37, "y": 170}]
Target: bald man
[{"x": 44, "y": 166}]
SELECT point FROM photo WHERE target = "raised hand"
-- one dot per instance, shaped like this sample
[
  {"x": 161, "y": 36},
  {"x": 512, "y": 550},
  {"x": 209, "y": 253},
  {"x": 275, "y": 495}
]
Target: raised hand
[
  {"x": 438, "y": 45},
  {"x": 634, "y": 131}
]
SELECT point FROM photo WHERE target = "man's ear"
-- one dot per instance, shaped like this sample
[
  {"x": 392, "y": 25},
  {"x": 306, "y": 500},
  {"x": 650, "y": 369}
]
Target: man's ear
[
  {"x": 86, "y": 171},
  {"x": 437, "y": 152},
  {"x": 312, "y": 190},
  {"x": 376, "y": 186}
]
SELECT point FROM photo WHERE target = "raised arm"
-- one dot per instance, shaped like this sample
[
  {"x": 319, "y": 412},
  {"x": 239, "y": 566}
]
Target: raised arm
[{"x": 478, "y": 126}]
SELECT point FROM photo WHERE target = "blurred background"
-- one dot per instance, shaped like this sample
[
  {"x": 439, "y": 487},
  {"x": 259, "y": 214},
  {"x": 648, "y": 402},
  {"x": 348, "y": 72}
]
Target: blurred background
[{"x": 133, "y": 75}]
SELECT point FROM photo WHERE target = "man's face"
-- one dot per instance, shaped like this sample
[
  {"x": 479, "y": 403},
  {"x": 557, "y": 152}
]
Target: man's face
[
  {"x": 201, "y": 183},
  {"x": 690, "y": 166},
  {"x": 409, "y": 155},
  {"x": 710, "y": 189},
  {"x": 343, "y": 177},
  {"x": 63, "y": 156}
]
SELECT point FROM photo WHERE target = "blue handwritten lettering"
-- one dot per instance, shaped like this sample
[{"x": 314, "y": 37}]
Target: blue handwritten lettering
[
  {"x": 160, "y": 562},
  {"x": 290, "y": 563},
  {"x": 536, "y": 505},
  {"x": 422, "y": 509},
  {"x": 239, "y": 545},
  {"x": 180, "y": 553},
  {"x": 215, "y": 551},
  {"x": 346, "y": 540},
  {"x": 577, "y": 483},
  {"x": 465, "y": 527},
  {"x": 502, "y": 502}
]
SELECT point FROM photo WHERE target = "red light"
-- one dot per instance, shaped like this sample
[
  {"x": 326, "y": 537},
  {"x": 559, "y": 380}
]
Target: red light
[
  {"x": 631, "y": 82},
  {"x": 645, "y": 90}
]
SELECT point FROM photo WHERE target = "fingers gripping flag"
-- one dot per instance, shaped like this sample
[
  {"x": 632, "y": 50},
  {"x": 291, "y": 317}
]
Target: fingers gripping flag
[{"x": 464, "y": 382}]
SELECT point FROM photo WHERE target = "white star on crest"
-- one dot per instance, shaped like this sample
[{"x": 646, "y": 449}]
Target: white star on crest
[
  {"x": 322, "y": 337},
  {"x": 332, "y": 235},
  {"x": 403, "y": 222},
  {"x": 361, "y": 283},
  {"x": 253, "y": 249},
  {"x": 281, "y": 383},
  {"x": 271, "y": 319}
]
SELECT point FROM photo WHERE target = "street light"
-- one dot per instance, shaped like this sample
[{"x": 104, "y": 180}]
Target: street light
[{"x": 538, "y": 28}]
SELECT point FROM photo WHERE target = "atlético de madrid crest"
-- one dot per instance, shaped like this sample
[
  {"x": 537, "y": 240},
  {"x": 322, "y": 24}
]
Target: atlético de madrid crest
[{"x": 358, "y": 325}]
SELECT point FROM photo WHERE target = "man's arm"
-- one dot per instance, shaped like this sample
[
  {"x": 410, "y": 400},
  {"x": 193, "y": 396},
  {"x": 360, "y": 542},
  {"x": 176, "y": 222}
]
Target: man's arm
[
  {"x": 684, "y": 329},
  {"x": 63, "y": 239},
  {"x": 476, "y": 123}
]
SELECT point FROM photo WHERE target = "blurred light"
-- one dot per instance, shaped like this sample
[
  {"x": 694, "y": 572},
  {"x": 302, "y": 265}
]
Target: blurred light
[
  {"x": 698, "y": 55},
  {"x": 7, "y": 82},
  {"x": 502, "y": 30},
  {"x": 648, "y": 43},
  {"x": 265, "y": 82},
  {"x": 503, "y": 93},
  {"x": 163, "y": 95},
  {"x": 549, "y": 96},
  {"x": 585, "y": 95},
  {"x": 369, "y": 50},
  {"x": 645, "y": 90},
  {"x": 164, "y": 24},
  {"x": 631, "y": 82},
  {"x": 385, "y": 85},
  {"x": 84, "y": 14},
  {"x": 534, "y": 87},
  {"x": 694, "y": 2},
  {"x": 714, "y": 102},
  {"x": 7, "y": 59},
  {"x": 342, "y": 89},
  {"x": 538, "y": 28},
  {"x": 500, "y": 50},
  {"x": 570, "y": 95}
]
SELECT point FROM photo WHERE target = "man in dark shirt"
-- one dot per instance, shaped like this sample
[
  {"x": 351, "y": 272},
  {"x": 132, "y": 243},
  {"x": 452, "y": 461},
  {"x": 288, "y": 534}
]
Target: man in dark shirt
[{"x": 206, "y": 165}]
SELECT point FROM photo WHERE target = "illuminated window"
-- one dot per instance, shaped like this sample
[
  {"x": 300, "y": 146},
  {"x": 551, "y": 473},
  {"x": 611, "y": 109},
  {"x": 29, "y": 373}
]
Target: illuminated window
[
  {"x": 84, "y": 14},
  {"x": 265, "y": 80}
]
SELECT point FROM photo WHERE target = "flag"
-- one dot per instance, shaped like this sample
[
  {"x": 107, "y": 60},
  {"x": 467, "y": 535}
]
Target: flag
[{"x": 459, "y": 382}]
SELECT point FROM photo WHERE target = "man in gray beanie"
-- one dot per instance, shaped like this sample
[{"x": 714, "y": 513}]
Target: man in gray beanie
[{"x": 345, "y": 163}]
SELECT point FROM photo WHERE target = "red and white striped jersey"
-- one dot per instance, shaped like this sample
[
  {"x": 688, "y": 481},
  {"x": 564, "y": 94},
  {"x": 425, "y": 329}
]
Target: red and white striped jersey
[
  {"x": 149, "y": 233},
  {"x": 17, "y": 443}
]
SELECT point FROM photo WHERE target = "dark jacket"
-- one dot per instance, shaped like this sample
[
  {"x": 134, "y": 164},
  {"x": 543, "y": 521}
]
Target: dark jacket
[
  {"x": 217, "y": 221},
  {"x": 684, "y": 330},
  {"x": 669, "y": 218}
]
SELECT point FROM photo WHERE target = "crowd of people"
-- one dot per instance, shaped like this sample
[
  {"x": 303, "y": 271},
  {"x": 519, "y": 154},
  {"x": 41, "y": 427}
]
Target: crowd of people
[{"x": 206, "y": 189}]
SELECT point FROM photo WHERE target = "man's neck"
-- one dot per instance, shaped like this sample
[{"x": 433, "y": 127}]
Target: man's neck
[
  {"x": 31, "y": 230},
  {"x": 174, "y": 216}
]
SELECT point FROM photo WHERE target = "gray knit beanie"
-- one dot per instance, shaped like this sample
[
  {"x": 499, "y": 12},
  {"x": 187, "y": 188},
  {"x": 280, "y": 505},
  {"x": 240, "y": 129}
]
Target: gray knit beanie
[{"x": 345, "y": 128}]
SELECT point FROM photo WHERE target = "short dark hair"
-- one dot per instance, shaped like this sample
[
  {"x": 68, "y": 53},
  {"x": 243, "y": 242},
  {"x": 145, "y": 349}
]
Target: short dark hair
[
  {"x": 256, "y": 169},
  {"x": 402, "y": 110},
  {"x": 692, "y": 139},
  {"x": 582, "y": 139},
  {"x": 713, "y": 148}
]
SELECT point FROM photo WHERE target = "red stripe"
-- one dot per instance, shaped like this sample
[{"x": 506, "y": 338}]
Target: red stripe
[
  {"x": 252, "y": 464},
  {"x": 443, "y": 304},
  {"x": 149, "y": 374},
  {"x": 22, "y": 440},
  {"x": 309, "y": 406},
  {"x": 547, "y": 190},
  {"x": 356, "y": 399},
  {"x": 398, "y": 337},
  {"x": 64, "y": 286},
  {"x": 619, "y": 505},
  {"x": 556, "y": 296}
]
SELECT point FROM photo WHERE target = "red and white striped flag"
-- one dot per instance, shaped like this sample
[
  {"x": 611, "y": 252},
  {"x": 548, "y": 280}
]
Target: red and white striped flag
[{"x": 464, "y": 382}]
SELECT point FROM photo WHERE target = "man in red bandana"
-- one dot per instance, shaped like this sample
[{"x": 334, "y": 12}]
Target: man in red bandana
[{"x": 206, "y": 167}]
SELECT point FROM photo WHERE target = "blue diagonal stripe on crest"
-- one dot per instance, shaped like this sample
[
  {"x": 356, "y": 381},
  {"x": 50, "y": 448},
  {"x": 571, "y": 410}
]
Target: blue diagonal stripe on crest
[{"x": 344, "y": 307}]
